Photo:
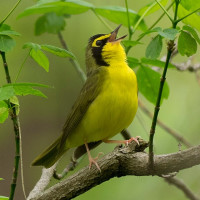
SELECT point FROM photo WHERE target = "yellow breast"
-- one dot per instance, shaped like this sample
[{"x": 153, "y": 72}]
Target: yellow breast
[{"x": 112, "y": 111}]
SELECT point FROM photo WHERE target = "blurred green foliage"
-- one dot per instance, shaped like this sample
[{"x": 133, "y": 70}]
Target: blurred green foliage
[{"x": 42, "y": 119}]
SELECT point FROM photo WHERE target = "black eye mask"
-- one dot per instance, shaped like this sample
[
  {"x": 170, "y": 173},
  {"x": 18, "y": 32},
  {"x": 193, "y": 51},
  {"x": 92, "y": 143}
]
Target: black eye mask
[{"x": 96, "y": 51}]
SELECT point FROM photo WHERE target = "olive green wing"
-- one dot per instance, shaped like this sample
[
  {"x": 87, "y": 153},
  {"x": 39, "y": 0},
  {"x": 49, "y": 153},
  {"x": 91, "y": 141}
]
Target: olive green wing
[{"x": 88, "y": 94}]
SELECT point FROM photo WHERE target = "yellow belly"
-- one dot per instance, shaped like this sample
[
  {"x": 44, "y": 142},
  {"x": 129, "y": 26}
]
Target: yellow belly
[{"x": 112, "y": 111}]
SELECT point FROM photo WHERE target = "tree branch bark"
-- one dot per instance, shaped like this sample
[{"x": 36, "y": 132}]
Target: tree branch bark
[{"x": 121, "y": 162}]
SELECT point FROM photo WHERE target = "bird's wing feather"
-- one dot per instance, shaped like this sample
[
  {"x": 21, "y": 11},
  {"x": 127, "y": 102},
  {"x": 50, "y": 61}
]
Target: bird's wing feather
[{"x": 88, "y": 94}]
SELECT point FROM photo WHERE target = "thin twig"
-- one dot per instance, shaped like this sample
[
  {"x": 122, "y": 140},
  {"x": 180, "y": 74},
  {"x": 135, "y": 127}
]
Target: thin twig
[
  {"x": 170, "y": 49},
  {"x": 73, "y": 61},
  {"x": 157, "y": 107},
  {"x": 171, "y": 131},
  {"x": 21, "y": 67},
  {"x": 188, "y": 65},
  {"x": 16, "y": 125},
  {"x": 165, "y": 11},
  {"x": 15, "y": 6},
  {"x": 126, "y": 135},
  {"x": 182, "y": 186},
  {"x": 154, "y": 24},
  {"x": 137, "y": 23},
  {"x": 128, "y": 20},
  {"x": 178, "y": 20},
  {"x": 102, "y": 20}
]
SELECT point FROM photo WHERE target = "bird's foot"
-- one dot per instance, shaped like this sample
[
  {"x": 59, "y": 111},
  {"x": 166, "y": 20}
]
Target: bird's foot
[
  {"x": 132, "y": 139},
  {"x": 91, "y": 159},
  {"x": 126, "y": 142},
  {"x": 94, "y": 161}
]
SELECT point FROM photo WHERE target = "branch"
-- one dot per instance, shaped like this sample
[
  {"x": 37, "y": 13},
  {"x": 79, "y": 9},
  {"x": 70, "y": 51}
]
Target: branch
[
  {"x": 43, "y": 182},
  {"x": 17, "y": 131},
  {"x": 188, "y": 65},
  {"x": 170, "y": 49},
  {"x": 121, "y": 162},
  {"x": 181, "y": 185}
]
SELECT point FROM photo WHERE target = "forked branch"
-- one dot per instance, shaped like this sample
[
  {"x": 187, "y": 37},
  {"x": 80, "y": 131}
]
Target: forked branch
[{"x": 121, "y": 162}]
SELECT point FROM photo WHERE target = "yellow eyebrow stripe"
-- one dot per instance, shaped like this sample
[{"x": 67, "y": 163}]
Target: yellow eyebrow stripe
[{"x": 100, "y": 38}]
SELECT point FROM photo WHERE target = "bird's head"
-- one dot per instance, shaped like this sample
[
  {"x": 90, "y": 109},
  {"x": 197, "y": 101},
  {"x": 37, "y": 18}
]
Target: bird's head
[{"x": 104, "y": 49}]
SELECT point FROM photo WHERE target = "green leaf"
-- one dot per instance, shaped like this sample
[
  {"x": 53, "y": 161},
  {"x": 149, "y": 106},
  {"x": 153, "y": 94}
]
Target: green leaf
[
  {"x": 50, "y": 23},
  {"x": 4, "y": 198},
  {"x": 6, "y": 93},
  {"x": 14, "y": 100},
  {"x": 133, "y": 62},
  {"x": 118, "y": 15},
  {"x": 59, "y": 7},
  {"x": 192, "y": 20},
  {"x": 1, "y": 179},
  {"x": 128, "y": 43},
  {"x": 155, "y": 8},
  {"x": 9, "y": 90},
  {"x": 6, "y": 43},
  {"x": 31, "y": 46},
  {"x": 26, "y": 84},
  {"x": 156, "y": 29},
  {"x": 169, "y": 33},
  {"x": 57, "y": 51},
  {"x": 27, "y": 90},
  {"x": 190, "y": 5},
  {"x": 154, "y": 62},
  {"x": 6, "y": 30},
  {"x": 4, "y": 111},
  {"x": 148, "y": 83},
  {"x": 40, "y": 58},
  {"x": 192, "y": 32},
  {"x": 186, "y": 44},
  {"x": 154, "y": 48}
]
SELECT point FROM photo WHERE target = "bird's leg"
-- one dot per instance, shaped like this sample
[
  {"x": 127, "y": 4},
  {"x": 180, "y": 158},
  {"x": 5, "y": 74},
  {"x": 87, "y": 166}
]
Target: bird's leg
[
  {"x": 92, "y": 160},
  {"x": 126, "y": 142}
]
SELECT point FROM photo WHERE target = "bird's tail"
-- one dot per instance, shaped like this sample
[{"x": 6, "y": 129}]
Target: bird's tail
[{"x": 50, "y": 155}]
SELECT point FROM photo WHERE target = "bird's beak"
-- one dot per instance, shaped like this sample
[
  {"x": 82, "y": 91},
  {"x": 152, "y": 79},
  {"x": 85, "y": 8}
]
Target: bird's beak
[{"x": 113, "y": 36}]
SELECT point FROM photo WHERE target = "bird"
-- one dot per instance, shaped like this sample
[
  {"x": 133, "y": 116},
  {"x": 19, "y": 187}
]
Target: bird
[{"x": 106, "y": 105}]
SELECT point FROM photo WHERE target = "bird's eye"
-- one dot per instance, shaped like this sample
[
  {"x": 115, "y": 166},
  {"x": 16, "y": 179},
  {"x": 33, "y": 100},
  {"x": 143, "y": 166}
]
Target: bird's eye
[{"x": 98, "y": 42}]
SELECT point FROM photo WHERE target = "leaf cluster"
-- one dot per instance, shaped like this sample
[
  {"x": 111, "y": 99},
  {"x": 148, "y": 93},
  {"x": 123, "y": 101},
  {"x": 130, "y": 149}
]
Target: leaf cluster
[{"x": 55, "y": 13}]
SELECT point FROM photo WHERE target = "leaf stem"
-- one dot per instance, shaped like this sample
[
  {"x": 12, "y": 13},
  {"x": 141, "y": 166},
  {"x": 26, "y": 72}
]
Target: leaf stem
[
  {"x": 153, "y": 25},
  {"x": 178, "y": 20},
  {"x": 16, "y": 125},
  {"x": 165, "y": 10},
  {"x": 128, "y": 20},
  {"x": 15, "y": 6},
  {"x": 161, "y": 16},
  {"x": 73, "y": 61},
  {"x": 142, "y": 17},
  {"x": 20, "y": 69},
  {"x": 102, "y": 20},
  {"x": 129, "y": 27}
]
